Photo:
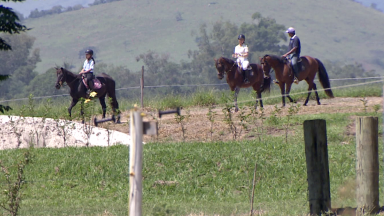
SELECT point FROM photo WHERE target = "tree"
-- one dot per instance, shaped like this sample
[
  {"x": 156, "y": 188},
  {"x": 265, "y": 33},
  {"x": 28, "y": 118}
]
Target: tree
[{"x": 9, "y": 23}]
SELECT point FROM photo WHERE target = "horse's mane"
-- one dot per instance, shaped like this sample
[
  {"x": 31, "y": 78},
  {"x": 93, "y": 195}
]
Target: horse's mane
[
  {"x": 230, "y": 61},
  {"x": 69, "y": 72},
  {"x": 277, "y": 58}
]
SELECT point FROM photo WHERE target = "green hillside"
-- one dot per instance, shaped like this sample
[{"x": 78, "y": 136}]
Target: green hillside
[{"x": 335, "y": 30}]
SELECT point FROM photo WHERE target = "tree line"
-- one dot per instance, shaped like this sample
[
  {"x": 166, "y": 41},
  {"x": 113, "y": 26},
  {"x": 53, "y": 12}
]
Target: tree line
[
  {"x": 263, "y": 36},
  {"x": 58, "y": 9}
]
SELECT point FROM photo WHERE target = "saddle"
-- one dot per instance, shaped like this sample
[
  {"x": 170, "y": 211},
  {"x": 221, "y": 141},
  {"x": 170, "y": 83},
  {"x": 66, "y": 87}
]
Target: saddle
[
  {"x": 96, "y": 83},
  {"x": 300, "y": 65}
]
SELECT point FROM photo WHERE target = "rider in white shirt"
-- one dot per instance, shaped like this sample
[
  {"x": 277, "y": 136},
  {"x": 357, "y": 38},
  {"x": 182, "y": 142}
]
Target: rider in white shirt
[
  {"x": 241, "y": 53},
  {"x": 87, "y": 70}
]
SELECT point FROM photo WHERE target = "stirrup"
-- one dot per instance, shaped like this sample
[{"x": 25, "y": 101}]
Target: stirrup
[
  {"x": 276, "y": 82},
  {"x": 296, "y": 81}
]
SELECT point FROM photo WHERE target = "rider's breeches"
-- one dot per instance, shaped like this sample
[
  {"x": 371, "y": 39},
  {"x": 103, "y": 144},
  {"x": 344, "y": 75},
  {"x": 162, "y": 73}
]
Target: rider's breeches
[
  {"x": 294, "y": 60},
  {"x": 89, "y": 77},
  {"x": 243, "y": 62}
]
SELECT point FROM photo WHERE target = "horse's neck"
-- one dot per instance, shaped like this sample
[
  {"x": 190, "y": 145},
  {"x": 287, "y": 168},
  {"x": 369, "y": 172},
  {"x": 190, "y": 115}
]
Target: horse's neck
[
  {"x": 70, "y": 78},
  {"x": 231, "y": 69},
  {"x": 277, "y": 66}
]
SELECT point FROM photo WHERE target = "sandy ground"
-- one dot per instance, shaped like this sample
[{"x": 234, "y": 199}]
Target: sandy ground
[
  {"x": 22, "y": 132},
  {"x": 198, "y": 127}
]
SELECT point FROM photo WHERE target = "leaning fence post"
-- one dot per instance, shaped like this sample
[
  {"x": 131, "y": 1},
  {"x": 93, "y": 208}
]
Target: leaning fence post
[
  {"x": 367, "y": 165},
  {"x": 135, "y": 164},
  {"x": 316, "y": 152}
]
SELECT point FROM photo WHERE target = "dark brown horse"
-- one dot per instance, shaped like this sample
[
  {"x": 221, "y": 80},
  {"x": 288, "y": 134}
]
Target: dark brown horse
[
  {"x": 235, "y": 79},
  {"x": 78, "y": 89},
  {"x": 284, "y": 75}
]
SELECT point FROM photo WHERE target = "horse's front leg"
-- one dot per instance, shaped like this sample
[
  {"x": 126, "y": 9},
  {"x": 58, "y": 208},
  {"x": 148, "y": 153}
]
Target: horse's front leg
[
  {"x": 82, "y": 112},
  {"x": 73, "y": 103},
  {"x": 259, "y": 99},
  {"x": 237, "y": 90},
  {"x": 103, "y": 105},
  {"x": 282, "y": 89}
]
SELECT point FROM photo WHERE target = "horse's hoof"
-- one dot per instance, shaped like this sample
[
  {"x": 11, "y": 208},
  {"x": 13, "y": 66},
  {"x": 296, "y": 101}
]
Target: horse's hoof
[
  {"x": 318, "y": 103},
  {"x": 236, "y": 109},
  {"x": 305, "y": 104}
]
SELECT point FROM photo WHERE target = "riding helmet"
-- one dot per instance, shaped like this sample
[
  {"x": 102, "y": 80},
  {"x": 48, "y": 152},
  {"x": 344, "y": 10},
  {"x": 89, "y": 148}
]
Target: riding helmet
[
  {"x": 241, "y": 36},
  {"x": 89, "y": 51},
  {"x": 291, "y": 30}
]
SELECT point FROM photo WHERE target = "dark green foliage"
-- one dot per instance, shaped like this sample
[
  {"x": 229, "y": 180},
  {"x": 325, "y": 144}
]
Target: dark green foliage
[
  {"x": 54, "y": 10},
  {"x": 4, "y": 108},
  {"x": 97, "y": 2},
  {"x": 9, "y": 23}
]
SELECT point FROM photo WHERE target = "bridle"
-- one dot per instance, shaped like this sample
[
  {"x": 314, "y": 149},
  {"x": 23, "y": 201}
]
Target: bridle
[
  {"x": 227, "y": 71},
  {"x": 266, "y": 63},
  {"x": 61, "y": 82}
]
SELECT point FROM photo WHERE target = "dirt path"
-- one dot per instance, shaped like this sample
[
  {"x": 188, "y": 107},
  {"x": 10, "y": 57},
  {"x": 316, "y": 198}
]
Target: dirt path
[{"x": 198, "y": 126}]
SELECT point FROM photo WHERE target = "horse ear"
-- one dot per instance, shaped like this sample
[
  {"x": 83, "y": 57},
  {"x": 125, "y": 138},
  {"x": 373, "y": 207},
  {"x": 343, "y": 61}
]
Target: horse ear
[{"x": 56, "y": 68}]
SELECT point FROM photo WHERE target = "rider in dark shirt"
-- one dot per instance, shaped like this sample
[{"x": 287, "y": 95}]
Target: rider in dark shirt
[{"x": 294, "y": 51}]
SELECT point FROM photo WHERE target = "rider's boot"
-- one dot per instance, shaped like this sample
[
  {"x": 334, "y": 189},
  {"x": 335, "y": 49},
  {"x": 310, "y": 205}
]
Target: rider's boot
[
  {"x": 295, "y": 69},
  {"x": 246, "y": 81}
]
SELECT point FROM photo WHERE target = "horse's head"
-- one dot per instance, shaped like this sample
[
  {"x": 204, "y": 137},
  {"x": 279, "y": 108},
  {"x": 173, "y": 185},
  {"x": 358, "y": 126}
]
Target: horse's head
[
  {"x": 265, "y": 65},
  {"x": 220, "y": 67},
  {"x": 60, "y": 72}
]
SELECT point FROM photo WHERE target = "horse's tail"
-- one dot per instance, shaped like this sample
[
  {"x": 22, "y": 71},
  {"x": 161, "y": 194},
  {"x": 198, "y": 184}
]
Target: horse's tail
[
  {"x": 267, "y": 84},
  {"x": 324, "y": 79}
]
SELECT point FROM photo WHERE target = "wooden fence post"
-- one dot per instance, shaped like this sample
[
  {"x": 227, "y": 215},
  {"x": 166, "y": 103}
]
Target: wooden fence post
[
  {"x": 316, "y": 152},
  {"x": 142, "y": 86},
  {"x": 367, "y": 165},
  {"x": 135, "y": 164}
]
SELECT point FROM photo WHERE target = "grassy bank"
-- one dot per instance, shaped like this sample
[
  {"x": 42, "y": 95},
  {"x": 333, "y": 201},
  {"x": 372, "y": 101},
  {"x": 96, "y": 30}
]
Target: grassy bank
[{"x": 184, "y": 178}]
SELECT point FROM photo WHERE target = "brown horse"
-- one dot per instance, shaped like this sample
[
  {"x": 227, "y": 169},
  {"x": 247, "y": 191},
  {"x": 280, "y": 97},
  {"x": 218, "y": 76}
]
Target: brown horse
[
  {"x": 284, "y": 75},
  {"x": 78, "y": 90},
  {"x": 235, "y": 79}
]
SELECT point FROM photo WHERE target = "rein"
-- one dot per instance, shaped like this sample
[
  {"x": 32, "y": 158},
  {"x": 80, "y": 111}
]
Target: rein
[
  {"x": 226, "y": 71},
  {"x": 65, "y": 78}
]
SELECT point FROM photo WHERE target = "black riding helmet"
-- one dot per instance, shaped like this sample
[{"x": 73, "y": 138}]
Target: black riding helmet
[
  {"x": 89, "y": 52},
  {"x": 241, "y": 36}
]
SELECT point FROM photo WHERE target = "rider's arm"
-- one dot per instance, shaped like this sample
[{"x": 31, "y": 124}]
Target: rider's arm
[{"x": 291, "y": 51}]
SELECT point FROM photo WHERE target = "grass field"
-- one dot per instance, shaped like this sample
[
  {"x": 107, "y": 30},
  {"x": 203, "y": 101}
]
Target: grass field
[
  {"x": 186, "y": 178},
  {"x": 329, "y": 30},
  {"x": 193, "y": 177}
]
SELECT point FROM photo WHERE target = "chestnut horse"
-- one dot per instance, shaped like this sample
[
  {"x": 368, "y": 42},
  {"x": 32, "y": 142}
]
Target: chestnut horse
[
  {"x": 284, "y": 75},
  {"x": 235, "y": 79},
  {"x": 78, "y": 90}
]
